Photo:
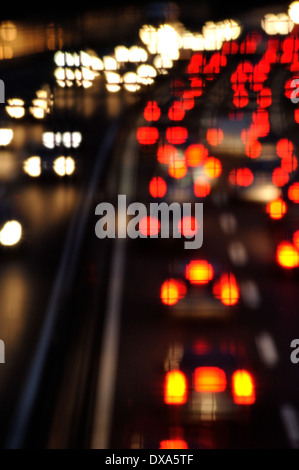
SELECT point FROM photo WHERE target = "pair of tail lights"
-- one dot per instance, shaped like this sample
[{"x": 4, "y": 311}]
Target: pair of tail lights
[{"x": 209, "y": 380}]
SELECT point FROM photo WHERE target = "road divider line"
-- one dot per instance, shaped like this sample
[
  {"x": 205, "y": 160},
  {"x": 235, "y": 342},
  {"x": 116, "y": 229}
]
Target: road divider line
[
  {"x": 267, "y": 349},
  {"x": 61, "y": 288},
  {"x": 290, "y": 422},
  {"x": 228, "y": 223},
  {"x": 110, "y": 346}
]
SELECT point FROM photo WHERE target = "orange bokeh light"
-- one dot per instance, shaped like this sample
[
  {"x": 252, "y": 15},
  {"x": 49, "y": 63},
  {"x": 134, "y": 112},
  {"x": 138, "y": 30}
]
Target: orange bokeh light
[
  {"x": 199, "y": 272},
  {"x": 276, "y": 209},
  {"x": 287, "y": 255},
  {"x": 209, "y": 380}
]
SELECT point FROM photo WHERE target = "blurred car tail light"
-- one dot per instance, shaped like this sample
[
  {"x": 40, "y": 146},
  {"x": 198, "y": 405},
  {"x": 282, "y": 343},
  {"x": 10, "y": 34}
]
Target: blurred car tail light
[
  {"x": 173, "y": 444},
  {"x": 276, "y": 209},
  {"x": 227, "y": 290},
  {"x": 243, "y": 388},
  {"x": 147, "y": 135},
  {"x": 287, "y": 255},
  {"x": 214, "y": 136},
  {"x": 176, "y": 111},
  {"x": 157, "y": 187},
  {"x": 199, "y": 272},
  {"x": 212, "y": 167},
  {"x": 241, "y": 177},
  {"x": 202, "y": 187},
  {"x": 166, "y": 154},
  {"x": 195, "y": 155},
  {"x": 209, "y": 380},
  {"x": 172, "y": 290},
  {"x": 176, "y": 135},
  {"x": 152, "y": 111},
  {"x": 293, "y": 192},
  {"x": 175, "y": 391}
]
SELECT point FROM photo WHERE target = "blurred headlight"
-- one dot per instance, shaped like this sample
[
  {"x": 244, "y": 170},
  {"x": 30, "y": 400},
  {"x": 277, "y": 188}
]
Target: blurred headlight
[
  {"x": 64, "y": 166},
  {"x": 11, "y": 233}
]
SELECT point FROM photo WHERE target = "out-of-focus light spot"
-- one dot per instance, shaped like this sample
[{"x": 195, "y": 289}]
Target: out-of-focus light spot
[
  {"x": 113, "y": 78},
  {"x": 284, "y": 148},
  {"x": 110, "y": 63},
  {"x": 149, "y": 226},
  {"x": 32, "y": 166},
  {"x": 177, "y": 167},
  {"x": 214, "y": 136},
  {"x": 137, "y": 54},
  {"x": 241, "y": 177},
  {"x": 240, "y": 98},
  {"x": 11, "y": 233},
  {"x": 195, "y": 155},
  {"x": 146, "y": 74},
  {"x": 276, "y": 209},
  {"x": 243, "y": 388},
  {"x": 264, "y": 97},
  {"x": 294, "y": 12},
  {"x": 296, "y": 239},
  {"x": 253, "y": 149},
  {"x": 176, "y": 111},
  {"x": 277, "y": 24},
  {"x": 131, "y": 82},
  {"x": 15, "y": 108},
  {"x": 199, "y": 272},
  {"x": 6, "y": 136},
  {"x": 209, "y": 380},
  {"x": 166, "y": 154},
  {"x": 176, "y": 135},
  {"x": 147, "y": 135},
  {"x": 151, "y": 111},
  {"x": 202, "y": 187},
  {"x": 280, "y": 177},
  {"x": 188, "y": 100},
  {"x": 64, "y": 166},
  {"x": 173, "y": 444},
  {"x": 157, "y": 187},
  {"x": 212, "y": 167},
  {"x": 172, "y": 290},
  {"x": 227, "y": 290},
  {"x": 287, "y": 255},
  {"x": 162, "y": 63},
  {"x": 293, "y": 193},
  {"x": 175, "y": 388},
  {"x": 8, "y": 31},
  {"x": 121, "y": 54},
  {"x": 289, "y": 164}
]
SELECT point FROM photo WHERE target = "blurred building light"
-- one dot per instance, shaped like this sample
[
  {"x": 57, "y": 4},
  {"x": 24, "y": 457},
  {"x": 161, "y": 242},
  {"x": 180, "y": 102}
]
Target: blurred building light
[
  {"x": 32, "y": 166},
  {"x": 15, "y": 108},
  {"x": 64, "y": 166},
  {"x": 6, "y": 136},
  {"x": 11, "y": 233}
]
